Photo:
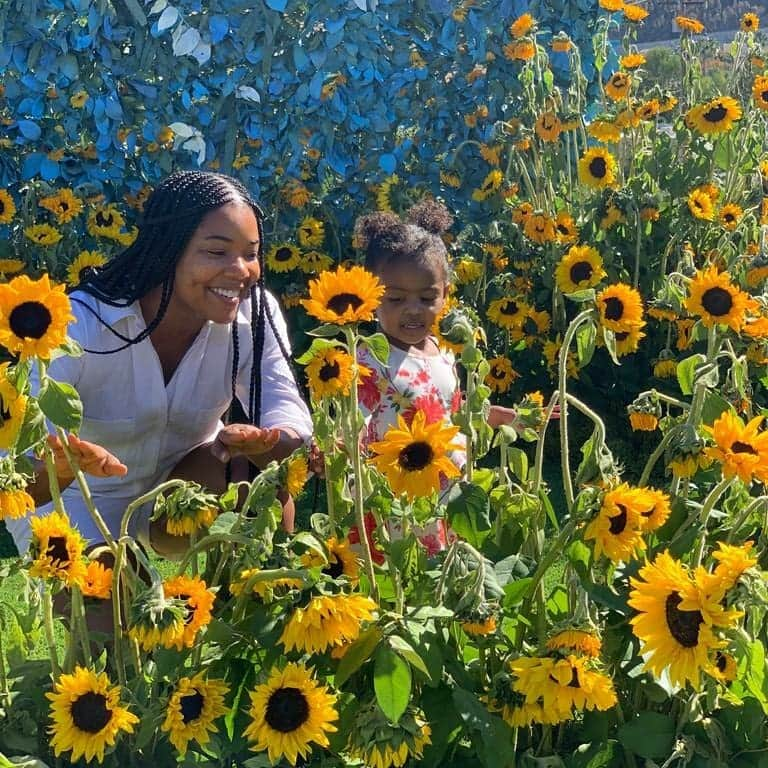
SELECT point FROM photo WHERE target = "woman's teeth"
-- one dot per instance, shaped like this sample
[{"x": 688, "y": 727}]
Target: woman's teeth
[{"x": 226, "y": 293}]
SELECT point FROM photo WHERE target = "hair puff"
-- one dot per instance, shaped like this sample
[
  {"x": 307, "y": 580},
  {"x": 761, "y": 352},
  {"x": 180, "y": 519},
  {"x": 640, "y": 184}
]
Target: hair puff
[
  {"x": 431, "y": 216},
  {"x": 383, "y": 228}
]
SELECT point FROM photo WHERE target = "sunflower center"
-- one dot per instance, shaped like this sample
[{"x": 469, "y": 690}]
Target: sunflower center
[
  {"x": 30, "y": 320},
  {"x": 721, "y": 661},
  {"x": 619, "y": 522},
  {"x": 415, "y": 456},
  {"x": 90, "y": 712},
  {"x": 63, "y": 206},
  {"x": 574, "y": 679},
  {"x": 104, "y": 219},
  {"x": 287, "y": 710},
  {"x": 334, "y": 568},
  {"x": 683, "y": 625},
  {"x": 597, "y": 167},
  {"x": 717, "y": 301},
  {"x": 85, "y": 273},
  {"x": 57, "y": 549},
  {"x": 191, "y": 706},
  {"x": 341, "y": 302},
  {"x": 283, "y": 254},
  {"x": 764, "y": 96},
  {"x": 622, "y": 335},
  {"x": 329, "y": 371},
  {"x": 2, "y": 207},
  {"x": 715, "y": 114},
  {"x": 496, "y": 373},
  {"x": 729, "y": 217},
  {"x": 509, "y": 307},
  {"x": 580, "y": 271},
  {"x": 5, "y": 413},
  {"x": 739, "y": 447},
  {"x": 614, "y": 308}
]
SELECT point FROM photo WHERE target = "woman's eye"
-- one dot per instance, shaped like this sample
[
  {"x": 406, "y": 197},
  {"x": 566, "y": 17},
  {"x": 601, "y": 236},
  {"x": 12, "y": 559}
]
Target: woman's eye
[{"x": 217, "y": 253}]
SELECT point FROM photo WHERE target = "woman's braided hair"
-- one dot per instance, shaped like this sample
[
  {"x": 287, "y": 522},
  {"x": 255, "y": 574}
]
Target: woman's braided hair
[{"x": 172, "y": 214}]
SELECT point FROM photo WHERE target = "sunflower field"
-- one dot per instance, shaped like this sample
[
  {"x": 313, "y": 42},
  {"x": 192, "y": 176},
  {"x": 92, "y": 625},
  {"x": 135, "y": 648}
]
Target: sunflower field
[{"x": 600, "y": 597}]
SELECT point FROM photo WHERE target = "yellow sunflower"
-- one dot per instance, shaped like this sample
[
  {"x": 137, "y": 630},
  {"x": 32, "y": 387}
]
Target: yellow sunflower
[
  {"x": 586, "y": 643},
  {"x": 611, "y": 5},
  {"x": 283, "y": 257},
  {"x": 643, "y": 422},
  {"x": 86, "y": 715},
  {"x": 13, "y": 406},
  {"x": 33, "y": 316},
  {"x": 341, "y": 561},
  {"x": 330, "y": 373},
  {"x": 311, "y": 232},
  {"x": 760, "y": 92},
  {"x": 56, "y": 549},
  {"x": 701, "y": 204},
  {"x": 632, "y": 60},
  {"x": 602, "y": 130},
  {"x": 620, "y": 307},
  {"x": 508, "y": 312},
  {"x": 597, "y": 168},
  {"x": 580, "y": 268},
  {"x": 501, "y": 375},
  {"x": 289, "y": 712},
  {"x": 84, "y": 265},
  {"x": 539, "y": 228},
  {"x": 314, "y": 262},
  {"x": 686, "y": 24},
  {"x": 676, "y": 621},
  {"x": 750, "y": 22},
  {"x": 7, "y": 207},
  {"x": 617, "y": 87},
  {"x": 468, "y": 271},
  {"x": 573, "y": 685},
  {"x": 480, "y": 628},
  {"x": 716, "y": 116},
  {"x": 191, "y": 710},
  {"x": 655, "y": 508},
  {"x": 15, "y": 503},
  {"x": 665, "y": 368},
  {"x": 617, "y": 529},
  {"x": 732, "y": 562},
  {"x": 97, "y": 582},
  {"x": 522, "y": 25},
  {"x": 105, "y": 221},
  {"x": 10, "y": 267},
  {"x": 491, "y": 184},
  {"x": 628, "y": 341},
  {"x": 296, "y": 474},
  {"x": 724, "y": 667},
  {"x": 566, "y": 230},
  {"x": 65, "y": 205},
  {"x": 520, "y": 50},
  {"x": 730, "y": 214},
  {"x": 741, "y": 450},
  {"x": 43, "y": 234},
  {"x": 548, "y": 127},
  {"x": 198, "y": 602},
  {"x": 383, "y": 196},
  {"x": 344, "y": 296},
  {"x": 295, "y": 194},
  {"x": 715, "y": 299},
  {"x": 648, "y": 109},
  {"x": 634, "y": 13},
  {"x": 77, "y": 100},
  {"x": 414, "y": 458}
]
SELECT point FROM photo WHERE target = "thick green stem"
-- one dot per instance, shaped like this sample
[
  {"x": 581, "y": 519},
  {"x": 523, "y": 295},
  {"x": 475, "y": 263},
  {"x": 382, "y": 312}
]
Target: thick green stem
[
  {"x": 744, "y": 516},
  {"x": 706, "y": 510},
  {"x": 117, "y": 619},
  {"x": 539, "y": 456},
  {"x": 50, "y": 637},
  {"x": 145, "y": 498},
  {"x": 79, "y": 628},
  {"x": 657, "y": 454}
]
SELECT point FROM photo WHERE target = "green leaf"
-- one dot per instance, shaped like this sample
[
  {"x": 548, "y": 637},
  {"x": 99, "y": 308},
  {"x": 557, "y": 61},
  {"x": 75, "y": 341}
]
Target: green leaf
[
  {"x": 408, "y": 652},
  {"x": 650, "y": 735},
  {"x": 469, "y": 515},
  {"x": 518, "y": 463},
  {"x": 223, "y": 523},
  {"x": 392, "y": 683},
  {"x": 599, "y": 755},
  {"x": 328, "y": 330},
  {"x": 585, "y": 343},
  {"x": 357, "y": 654},
  {"x": 516, "y": 591},
  {"x": 33, "y": 430},
  {"x": 61, "y": 404},
  {"x": 315, "y": 348},
  {"x": 714, "y": 406},
  {"x": 685, "y": 372},
  {"x": 379, "y": 347},
  {"x": 610, "y": 344}
]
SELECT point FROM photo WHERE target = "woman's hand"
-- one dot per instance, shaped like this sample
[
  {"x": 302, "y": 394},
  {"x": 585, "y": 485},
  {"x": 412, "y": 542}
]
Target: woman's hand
[
  {"x": 243, "y": 440},
  {"x": 91, "y": 458}
]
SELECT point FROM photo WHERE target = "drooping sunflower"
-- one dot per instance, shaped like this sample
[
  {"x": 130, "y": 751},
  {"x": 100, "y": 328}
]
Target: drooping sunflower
[
  {"x": 655, "y": 508},
  {"x": 665, "y": 368},
  {"x": 311, "y": 232},
  {"x": 314, "y": 262},
  {"x": 283, "y": 257},
  {"x": 548, "y": 126},
  {"x": 732, "y": 562},
  {"x": 198, "y": 602},
  {"x": 520, "y": 50},
  {"x": 741, "y": 450},
  {"x": 344, "y": 296},
  {"x": 289, "y": 712},
  {"x": 611, "y": 5},
  {"x": 33, "y": 316},
  {"x": 750, "y": 22},
  {"x": 620, "y": 307},
  {"x": 686, "y": 24},
  {"x": 539, "y": 228},
  {"x": 617, "y": 87},
  {"x": 9, "y": 267},
  {"x": 192, "y": 709},
  {"x": 330, "y": 373},
  {"x": 327, "y": 621},
  {"x": 522, "y": 25},
  {"x": 730, "y": 215},
  {"x": 580, "y": 268},
  {"x": 64, "y": 205},
  {"x": 295, "y": 194},
  {"x": 43, "y": 234},
  {"x": 641, "y": 421},
  {"x": 617, "y": 529},
  {"x": 597, "y": 168},
  {"x": 97, "y": 582},
  {"x": 86, "y": 715},
  {"x": 480, "y": 627},
  {"x": 508, "y": 312},
  {"x": 501, "y": 375},
  {"x": 676, "y": 621},
  {"x": 627, "y": 342},
  {"x": 716, "y": 116},
  {"x": 56, "y": 549},
  {"x": 7, "y": 207},
  {"x": 414, "y": 458},
  {"x": 586, "y": 643},
  {"x": 566, "y": 231},
  {"x": 13, "y": 406},
  {"x": 84, "y": 265},
  {"x": 602, "y": 130},
  {"x": 715, "y": 299},
  {"x": 687, "y": 464},
  {"x": 632, "y": 60},
  {"x": 634, "y": 13},
  {"x": 264, "y": 588},
  {"x": 15, "y": 503},
  {"x": 648, "y": 109}
]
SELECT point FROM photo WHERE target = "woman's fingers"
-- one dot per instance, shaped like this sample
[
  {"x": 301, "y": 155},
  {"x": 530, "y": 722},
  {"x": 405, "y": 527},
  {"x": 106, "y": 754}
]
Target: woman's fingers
[{"x": 245, "y": 438}]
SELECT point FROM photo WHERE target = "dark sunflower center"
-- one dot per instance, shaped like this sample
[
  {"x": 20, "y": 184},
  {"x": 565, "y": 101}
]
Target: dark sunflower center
[
  {"x": 90, "y": 712},
  {"x": 497, "y": 373},
  {"x": 648, "y": 512},
  {"x": 283, "y": 254},
  {"x": 415, "y": 456},
  {"x": 287, "y": 710},
  {"x": 739, "y": 447},
  {"x": 715, "y": 114},
  {"x": 329, "y": 371},
  {"x": 30, "y": 320},
  {"x": 104, "y": 219},
  {"x": 619, "y": 522},
  {"x": 580, "y": 271},
  {"x": 764, "y": 96},
  {"x": 622, "y": 335},
  {"x": 509, "y": 307},
  {"x": 63, "y": 206},
  {"x": 574, "y": 679},
  {"x": 5, "y": 413},
  {"x": 597, "y": 167},
  {"x": 614, "y": 308},
  {"x": 2, "y": 207},
  {"x": 563, "y": 229},
  {"x": 619, "y": 83},
  {"x": 683, "y": 625},
  {"x": 721, "y": 661},
  {"x": 191, "y": 706},
  {"x": 57, "y": 549},
  {"x": 335, "y": 568},
  {"x": 717, "y": 301},
  {"x": 341, "y": 302}
]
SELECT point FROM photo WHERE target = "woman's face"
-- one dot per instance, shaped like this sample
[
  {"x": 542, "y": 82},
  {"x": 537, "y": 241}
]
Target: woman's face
[{"x": 218, "y": 266}]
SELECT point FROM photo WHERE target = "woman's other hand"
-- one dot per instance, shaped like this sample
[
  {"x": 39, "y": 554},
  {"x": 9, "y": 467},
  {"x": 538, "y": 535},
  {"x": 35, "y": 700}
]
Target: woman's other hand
[
  {"x": 91, "y": 458},
  {"x": 243, "y": 440}
]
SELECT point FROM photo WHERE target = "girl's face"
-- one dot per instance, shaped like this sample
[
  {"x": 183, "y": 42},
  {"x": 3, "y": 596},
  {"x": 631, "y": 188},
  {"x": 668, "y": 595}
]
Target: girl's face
[
  {"x": 414, "y": 297},
  {"x": 218, "y": 266}
]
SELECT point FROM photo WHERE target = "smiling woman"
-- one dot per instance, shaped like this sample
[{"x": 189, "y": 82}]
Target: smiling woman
[{"x": 174, "y": 329}]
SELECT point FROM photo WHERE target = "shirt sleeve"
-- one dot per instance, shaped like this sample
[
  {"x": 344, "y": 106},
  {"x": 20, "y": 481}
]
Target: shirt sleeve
[{"x": 281, "y": 401}]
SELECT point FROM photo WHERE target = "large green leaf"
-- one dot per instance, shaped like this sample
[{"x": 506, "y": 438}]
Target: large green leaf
[
  {"x": 357, "y": 654},
  {"x": 391, "y": 683},
  {"x": 61, "y": 404},
  {"x": 469, "y": 515},
  {"x": 649, "y": 734}
]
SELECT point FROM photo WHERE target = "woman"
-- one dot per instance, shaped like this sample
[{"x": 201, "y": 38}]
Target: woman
[{"x": 174, "y": 328}]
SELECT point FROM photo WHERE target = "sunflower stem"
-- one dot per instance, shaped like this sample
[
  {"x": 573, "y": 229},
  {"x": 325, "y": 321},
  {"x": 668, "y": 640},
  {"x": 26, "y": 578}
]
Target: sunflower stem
[
  {"x": 657, "y": 454},
  {"x": 117, "y": 624},
  {"x": 79, "y": 626},
  {"x": 145, "y": 498},
  {"x": 447, "y": 565},
  {"x": 744, "y": 516},
  {"x": 538, "y": 464},
  {"x": 50, "y": 637},
  {"x": 706, "y": 510},
  {"x": 53, "y": 482}
]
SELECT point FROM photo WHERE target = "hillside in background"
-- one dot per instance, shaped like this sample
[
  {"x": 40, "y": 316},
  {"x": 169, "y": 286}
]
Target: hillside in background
[{"x": 716, "y": 15}]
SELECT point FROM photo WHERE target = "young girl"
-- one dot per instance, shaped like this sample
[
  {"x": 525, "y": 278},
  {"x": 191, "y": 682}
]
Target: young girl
[{"x": 410, "y": 259}]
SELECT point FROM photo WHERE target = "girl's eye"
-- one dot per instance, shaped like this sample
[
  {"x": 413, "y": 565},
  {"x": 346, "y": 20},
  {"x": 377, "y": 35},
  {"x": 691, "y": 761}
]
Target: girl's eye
[{"x": 217, "y": 253}]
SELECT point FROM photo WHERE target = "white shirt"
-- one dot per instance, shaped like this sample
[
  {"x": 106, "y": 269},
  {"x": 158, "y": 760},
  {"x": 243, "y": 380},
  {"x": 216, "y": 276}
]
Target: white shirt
[{"x": 148, "y": 425}]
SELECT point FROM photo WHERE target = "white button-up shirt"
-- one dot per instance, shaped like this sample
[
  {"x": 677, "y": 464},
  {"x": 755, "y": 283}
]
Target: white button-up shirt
[{"x": 148, "y": 425}]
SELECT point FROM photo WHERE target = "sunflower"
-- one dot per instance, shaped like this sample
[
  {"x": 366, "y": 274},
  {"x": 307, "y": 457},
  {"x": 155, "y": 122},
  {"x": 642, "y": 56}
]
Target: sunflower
[
  {"x": 413, "y": 458},
  {"x": 468, "y": 271},
  {"x": 283, "y": 257},
  {"x": 520, "y": 50},
  {"x": 97, "y": 582},
  {"x": 617, "y": 87},
  {"x": 716, "y": 116},
  {"x": 490, "y": 185},
  {"x": 665, "y": 368},
  {"x": 191, "y": 710},
  {"x": 501, "y": 374},
  {"x": 580, "y": 268},
  {"x": 330, "y": 373},
  {"x": 632, "y": 60},
  {"x": 548, "y": 127},
  {"x": 561, "y": 44},
  {"x": 342, "y": 561},
  {"x": 311, "y": 232},
  {"x": 686, "y": 24},
  {"x": 289, "y": 712},
  {"x": 295, "y": 194},
  {"x": 64, "y": 205},
  {"x": 620, "y": 307},
  {"x": 643, "y": 422},
  {"x": 655, "y": 508},
  {"x": 7, "y": 207},
  {"x": 611, "y": 5},
  {"x": 586, "y": 643},
  {"x": 732, "y": 562},
  {"x": 566, "y": 230},
  {"x": 602, "y": 130},
  {"x": 649, "y": 213},
  {"x": 741, "y": 450},
  {"x": 522, "y": 212},
  {"x": 344, "y": 296},
  {"x": 296, "y": 474},
  {"x": 480, "y": 628},
  {"x": 724, "y": 667},
  {"x": 198, "y": 602},
  {"x": 10, "y": 266},
  {"x": 508, "y": 312},
  {"x": 33, "y": 316},
  {"x": 77, "y": 100},
  {"x": 539, "y": 228},
  {"x": 701, "y": 204},
  {"x": 760, "y": 92},
  {"x": 730, "y": 214},
  {"x": 43, "y": 234},
  {"x": 15, "y": 503},
  {"x": 617, "y": 529},
  {"x": 628, "y": 341},
  {"x": 522, "y": 25},
  {"x": 648, "y": 109},
  {"x": 314, "y": 262},
  {"x": 684, "y": 327},
  {"x": 627, "y": 118},
  {"x": 597, "y": 168},
  {"x": 715, "y": 299},
  {"x": 56, "y": 549},
  {"x": 676, "y": 620},
  {"x": 750, "y": 22},
  {"x": 13, "y": 406},
  {"x": 105, "y": 221},
  {"x": 86, "y": 715},
  {"x": 86, "y": 264},
  {"x": 687, "y": 464}
]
